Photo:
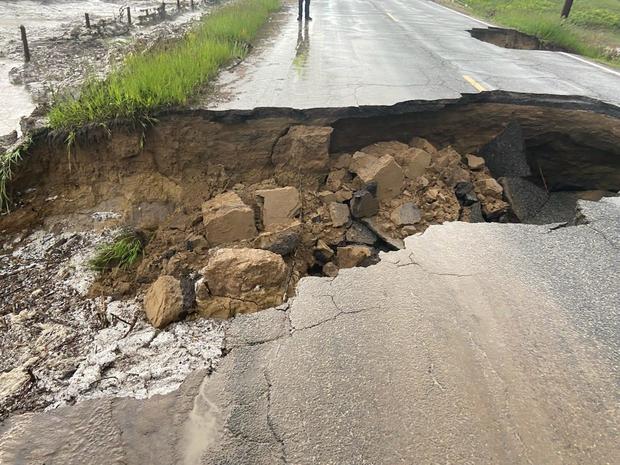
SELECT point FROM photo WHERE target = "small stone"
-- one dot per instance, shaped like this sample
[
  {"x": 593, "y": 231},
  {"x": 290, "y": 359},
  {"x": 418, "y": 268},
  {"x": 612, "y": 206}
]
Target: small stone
[
  {"x": 353, "y": 255},
  {"x": 342, "y": 160},
  {"x": 278, "y": 206},
  {"x": 343, "y": 195},
  {"x": 327, "y": 197},
  {"x": 364, "y": 204},
  {"x": 330, "y": 269},
  {"x": 475, "y": 163},
  {"x": 464, "y": 191},
  {"x": 406, "y": 214},
  {"x": 489, "y": 186},
  {"x": 163, "y": 302},
  {"x": 335, "y": 179},
  {"x": 322, "y": 251},
  {"x": 339, "y": 213},
  {"x": 227, "y": 219},
  {"x": 360, "y": 234},
  {"x": 381, "y": 230},
  {"x": 409, "y": 230}
]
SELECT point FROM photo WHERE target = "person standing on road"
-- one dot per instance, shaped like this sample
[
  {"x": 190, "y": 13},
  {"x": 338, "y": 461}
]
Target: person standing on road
[{"x": 301, "y": 10}]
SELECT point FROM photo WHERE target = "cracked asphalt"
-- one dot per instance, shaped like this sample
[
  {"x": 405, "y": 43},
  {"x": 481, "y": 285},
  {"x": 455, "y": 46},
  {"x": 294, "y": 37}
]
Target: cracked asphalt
[
  {"x": 477, "y": 344},
  {"x": 371, "y": 52}
]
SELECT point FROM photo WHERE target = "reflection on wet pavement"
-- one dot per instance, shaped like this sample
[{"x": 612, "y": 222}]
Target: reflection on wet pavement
[{"x": 303, "y": 48}]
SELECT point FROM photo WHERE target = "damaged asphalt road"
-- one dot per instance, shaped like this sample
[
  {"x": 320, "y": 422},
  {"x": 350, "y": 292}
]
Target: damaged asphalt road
[
  {"x": 371, "y": 52},
  {"x": 478, "y": 343}
]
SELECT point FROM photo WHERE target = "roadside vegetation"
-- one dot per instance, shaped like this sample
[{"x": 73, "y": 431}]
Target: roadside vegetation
[
  {"x": 168, "y": 75},
  {"x": 592, "y": 28},
  {"x": 8, "y": 162},
  {"x": 123, "y": 252}
]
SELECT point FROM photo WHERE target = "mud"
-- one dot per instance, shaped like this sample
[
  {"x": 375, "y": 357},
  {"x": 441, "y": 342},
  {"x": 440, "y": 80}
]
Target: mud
[{"x": 511, "y": 38}]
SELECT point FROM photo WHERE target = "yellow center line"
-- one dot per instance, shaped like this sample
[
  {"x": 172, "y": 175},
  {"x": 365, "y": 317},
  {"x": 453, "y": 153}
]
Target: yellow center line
[
  {"x": 475, "y": 84},
  {"x": 391, "y": 17}
]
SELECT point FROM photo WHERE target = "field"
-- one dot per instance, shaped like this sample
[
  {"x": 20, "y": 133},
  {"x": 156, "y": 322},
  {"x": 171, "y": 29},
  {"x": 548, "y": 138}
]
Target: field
[
  {"x": 168, "y": 75},
  {"x": 592, "y": 29}
]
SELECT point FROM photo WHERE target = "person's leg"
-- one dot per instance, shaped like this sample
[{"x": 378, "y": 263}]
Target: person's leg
[
  {"x": 301, "y": 11},
  {"x": 308, "y": 18}
]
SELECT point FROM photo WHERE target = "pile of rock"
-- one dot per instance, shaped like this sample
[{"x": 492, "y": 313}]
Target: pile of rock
[{"x": 319, "y": 213}]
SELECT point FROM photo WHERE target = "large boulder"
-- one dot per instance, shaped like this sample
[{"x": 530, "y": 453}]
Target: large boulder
[
  {"x": 413, "y": 160},
  {"x": 227, "y": 219},
  {"x": 163, "y": 302},
  {"x": 243, "y": 281},
  {"x": 383, "y": 171},
  {"x": 278, "y": 206}
]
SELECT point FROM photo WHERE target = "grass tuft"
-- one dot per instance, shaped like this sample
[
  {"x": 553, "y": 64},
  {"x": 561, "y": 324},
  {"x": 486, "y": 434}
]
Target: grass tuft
[
  {"x": 8, "y": 162},
  {"x": 123, "y": 252},
  {"x": 168, "y": 75}
]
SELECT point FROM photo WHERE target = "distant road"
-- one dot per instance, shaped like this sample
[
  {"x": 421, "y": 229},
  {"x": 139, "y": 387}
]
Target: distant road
[{"x": 370, "y": 52}]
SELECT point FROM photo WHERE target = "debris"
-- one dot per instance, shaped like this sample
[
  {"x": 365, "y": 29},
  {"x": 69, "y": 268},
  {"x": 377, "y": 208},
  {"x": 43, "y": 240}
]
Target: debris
[
  {"x": 475, "y": 163},
  {"x": 384, "y": 171},
  {"x": 339, "y": 214},
  {"x": 304, "y": 149},
  {"x": 278, "y": 206},
  {"x": 364, "y": 204},
  {"x": 421, "y": 143},
  {"x": 330, "y": 269},
  {"x": 227, "y": 219},
  {"x": 406, "y": 214},
  {"x": 353, "y": 255},
  {"x": 360, "y": 234},
  {"x": 283, "y": 241},
  {"x": 393, "y": 242},
  {"x": 163, "y": 302},
  {"x": 525, "y": 198},
  {"x": 13, "y": 384}
]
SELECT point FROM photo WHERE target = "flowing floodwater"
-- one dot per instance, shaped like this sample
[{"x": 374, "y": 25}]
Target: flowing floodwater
[{"x": 48, "y": 19}]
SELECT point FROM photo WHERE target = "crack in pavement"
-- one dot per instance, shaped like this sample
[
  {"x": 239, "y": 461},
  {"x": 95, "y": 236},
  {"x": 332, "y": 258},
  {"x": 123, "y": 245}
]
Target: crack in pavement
[{"x": 270, "y": 424}]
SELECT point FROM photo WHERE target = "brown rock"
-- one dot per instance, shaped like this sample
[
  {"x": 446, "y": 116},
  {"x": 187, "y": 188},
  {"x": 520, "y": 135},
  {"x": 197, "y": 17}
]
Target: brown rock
[
  {"x": 489, "y": 186},
  {"x": 327, "y": 197},
  {"x": 447, "y": 157},
  {"x": 163, "y": 302},
  {"x": 330, "y": 269},
  {"x": 335, "y": 179},
  {"x": 283, "y": 240},
  {"x": 339, "y": 213},
  {"x": 475, "y": 163},
  {"x": 421, "y": 143},
  {"x": 278, "y": 206},
  {"x": 341, "y": 160},
  {"x": 243, "y": 280},
  {"x": 353, "y": 255},
  {"x": 227, "y": 219},
  {"x": 415, "y": 162},
  {"x": 384, "y": 171},
  {"x": 12, "y": 384},
  {"x": 343, "y": 195}
]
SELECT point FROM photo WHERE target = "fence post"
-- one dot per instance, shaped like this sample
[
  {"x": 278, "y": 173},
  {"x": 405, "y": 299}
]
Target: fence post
[
  {"x": 163, "y": 10},
  {"x": 129, "y": 15},
  {"x": 178, "y": 5},
  {"x": 25, "y": 42},
  {"x": 191, "y": 4},
  {"x": 87, "y": 18}
]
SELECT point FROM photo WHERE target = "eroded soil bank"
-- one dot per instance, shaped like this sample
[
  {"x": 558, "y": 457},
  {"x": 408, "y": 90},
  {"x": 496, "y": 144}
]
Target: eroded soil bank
[{"x": 238, "y": 206}]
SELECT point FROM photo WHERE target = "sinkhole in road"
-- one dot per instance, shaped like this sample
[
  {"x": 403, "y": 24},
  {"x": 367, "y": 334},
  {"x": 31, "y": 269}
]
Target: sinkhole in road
[
  {"x": 511, "y": 38},
  {"x": 239, "y": 205}
]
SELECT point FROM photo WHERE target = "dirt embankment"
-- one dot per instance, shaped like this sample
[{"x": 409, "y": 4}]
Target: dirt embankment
[{"x": 237, "y": 206}]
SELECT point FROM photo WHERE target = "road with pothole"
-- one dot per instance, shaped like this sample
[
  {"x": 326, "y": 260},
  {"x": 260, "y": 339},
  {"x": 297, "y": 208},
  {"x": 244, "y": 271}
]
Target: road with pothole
[
  {"x": 477, "y": 344},
  {"x": 380, "y": 52}
]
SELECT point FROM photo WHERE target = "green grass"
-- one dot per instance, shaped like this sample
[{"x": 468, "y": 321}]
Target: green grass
[
  {"x": 592, "y": 28},
  {"x": 123, "y": 252},
  {"x": 8, "y": 162},
  {"x": 169, "y": 75}
]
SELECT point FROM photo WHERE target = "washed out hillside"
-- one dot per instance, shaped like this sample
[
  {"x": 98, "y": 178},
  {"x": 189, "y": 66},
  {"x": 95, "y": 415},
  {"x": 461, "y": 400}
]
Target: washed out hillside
[{"x": 268, "y": 231}]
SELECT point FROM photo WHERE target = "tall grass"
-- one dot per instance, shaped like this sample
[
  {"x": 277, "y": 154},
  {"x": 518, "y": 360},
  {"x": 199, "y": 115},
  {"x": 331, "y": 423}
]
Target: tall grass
[
  {"x": 8, "y": 162},
  {"x": 169, "y": 75},
  {"x": 123, "y": 252}
]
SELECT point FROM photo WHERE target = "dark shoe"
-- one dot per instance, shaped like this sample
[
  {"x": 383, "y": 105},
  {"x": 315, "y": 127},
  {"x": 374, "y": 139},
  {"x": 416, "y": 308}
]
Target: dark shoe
[
  {"x": 299, "y": 18},
  {"x": 308, "y": 18}
]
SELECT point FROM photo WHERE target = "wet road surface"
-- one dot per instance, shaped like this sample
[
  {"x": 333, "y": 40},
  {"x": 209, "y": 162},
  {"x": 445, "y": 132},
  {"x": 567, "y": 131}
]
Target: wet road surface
[
  {"x": 479, "y": 344},
  {"x": 380, "y": 52}
]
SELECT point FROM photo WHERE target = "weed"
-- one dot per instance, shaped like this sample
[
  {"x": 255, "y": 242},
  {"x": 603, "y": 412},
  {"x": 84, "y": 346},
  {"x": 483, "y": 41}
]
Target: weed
[
  {"x": 123, "y": 252},
  {"x": 8, "y": 161}
]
